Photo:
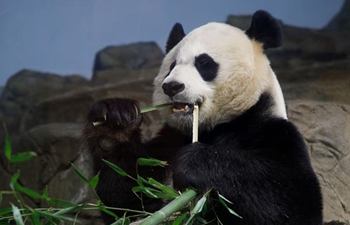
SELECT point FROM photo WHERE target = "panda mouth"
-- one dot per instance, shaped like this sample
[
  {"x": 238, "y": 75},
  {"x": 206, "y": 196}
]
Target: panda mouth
[{"x": 182, "y": 107}]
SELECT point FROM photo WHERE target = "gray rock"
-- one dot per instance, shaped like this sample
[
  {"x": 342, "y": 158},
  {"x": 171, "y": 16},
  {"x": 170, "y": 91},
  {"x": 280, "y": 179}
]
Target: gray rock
[
  {"x": 326, "y": 82},
  {"x": 326, "y": 128},
  {"x": 128, "y": 57},
  {"x": 26, "y": 88},
  {"x": 56, "y": 145},
  {"x": 121, "y": 76},
  {"x": 341, "y": 21}
]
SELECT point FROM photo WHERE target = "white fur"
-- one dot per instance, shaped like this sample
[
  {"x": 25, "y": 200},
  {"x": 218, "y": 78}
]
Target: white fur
[{"x": 244, "y": 74}]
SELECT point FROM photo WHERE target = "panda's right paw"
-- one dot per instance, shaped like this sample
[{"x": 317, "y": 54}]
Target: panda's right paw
[{"x": 117, "y": 115}]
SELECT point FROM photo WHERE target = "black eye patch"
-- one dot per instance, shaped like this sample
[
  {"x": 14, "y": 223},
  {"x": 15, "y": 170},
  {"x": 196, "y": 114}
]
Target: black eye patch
[
  {"x": 171, "y": 67},
  {"x": 206, "y": 67}
]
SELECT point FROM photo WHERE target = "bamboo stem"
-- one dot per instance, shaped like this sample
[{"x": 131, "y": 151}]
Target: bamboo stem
[
  {"x": 195, "y": 124},
  {"x": 170, "y": 208}
]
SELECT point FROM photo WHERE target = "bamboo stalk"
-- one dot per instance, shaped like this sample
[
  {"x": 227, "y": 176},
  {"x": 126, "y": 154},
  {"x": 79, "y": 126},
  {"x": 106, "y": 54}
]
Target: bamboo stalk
[
  {"x": 183, "y": 199},
  {"x": 170, "y": 208},
  {"x": 195, "y": 124}
]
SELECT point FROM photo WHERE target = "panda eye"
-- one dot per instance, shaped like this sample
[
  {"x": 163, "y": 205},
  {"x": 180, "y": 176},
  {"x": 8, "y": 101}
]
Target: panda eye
[
  {"x": 171, "y": 67},
  {"x": 206, "y": 67},
  {"x": 203, "y": 61}
]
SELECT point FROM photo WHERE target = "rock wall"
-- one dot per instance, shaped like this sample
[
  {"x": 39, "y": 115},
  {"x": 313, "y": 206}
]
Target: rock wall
[
  {"x": 341, "y": 21},
  {"x": 46, "y": 112}
]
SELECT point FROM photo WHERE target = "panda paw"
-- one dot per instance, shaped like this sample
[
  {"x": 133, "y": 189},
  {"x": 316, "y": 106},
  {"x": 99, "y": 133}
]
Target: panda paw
[
  {"x": 115, "y": 115},
  {"x": 117, "y": 112},
  {"x": 191, "y": 168}
]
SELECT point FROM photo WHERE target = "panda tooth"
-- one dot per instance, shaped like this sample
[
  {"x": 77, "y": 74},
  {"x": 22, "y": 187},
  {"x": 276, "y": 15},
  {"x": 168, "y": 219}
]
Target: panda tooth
[
  {"x": 177, "y": 110},
  {"x": 186, "y": 108}
]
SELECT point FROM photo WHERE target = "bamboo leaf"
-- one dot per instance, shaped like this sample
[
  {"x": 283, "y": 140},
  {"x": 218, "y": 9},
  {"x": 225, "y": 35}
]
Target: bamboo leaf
[
  {"x": 17, "y": 215},
  {"x": 21, "y": 157},
  {"x": 14, "y": 180},
  {"x": 68, "y": 210},
  {"x": 230, "y": 210},
  {"x": 8, "y": 148},
  {"x": 81, "y": 175},
  {"x": 122, "y": 221},
  {"x": 223, "y": 198},
  {"x": 151, "y": 162},
  {"x": 94, "y": 181},
  {"x": 51, "y": 216},
  {"x": 5, "y": 211},
  {"x": 172, "y": 193},
  {"x": 27, "y": 191},
  {"x": 35, "y": 218},
  {"x": 180, "y": 219},
  {"x": 141, "y": 180},
  {"x": 199, "y": 205},
  {"x": 103, "y": 208},
  {"x": 45, "y": 194},
  {"x": 150, "y": 192},
  {"x": 115, "y": 168},
  {"x": 197, "y": 208}
]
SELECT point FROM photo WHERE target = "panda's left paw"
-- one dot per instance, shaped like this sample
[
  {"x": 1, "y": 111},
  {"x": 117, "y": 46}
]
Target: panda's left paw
[{"x": 191, "y": 169}]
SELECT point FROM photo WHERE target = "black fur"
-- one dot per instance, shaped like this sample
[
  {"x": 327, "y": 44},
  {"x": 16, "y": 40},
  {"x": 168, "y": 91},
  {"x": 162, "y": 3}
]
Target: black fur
[
  {"x": 258, "y": 162},
  {"x": 206, "y": 66},
  {"x": 176, "y": 35},
  {"x": 265, "y": 29}
]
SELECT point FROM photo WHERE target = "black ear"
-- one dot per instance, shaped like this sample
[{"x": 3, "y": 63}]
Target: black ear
[
  {"x": 175, "y": 36},
  {"x": 265, "y": 29}
]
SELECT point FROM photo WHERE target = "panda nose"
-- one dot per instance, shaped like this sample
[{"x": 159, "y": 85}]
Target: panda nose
[{"x": 172, "y": 88}]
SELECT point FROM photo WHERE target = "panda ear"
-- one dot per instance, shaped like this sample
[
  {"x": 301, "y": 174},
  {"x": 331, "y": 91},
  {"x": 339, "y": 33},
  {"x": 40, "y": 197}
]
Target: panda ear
[
  {"x": 265, "y": 29},
  {"x": 176, "y": 35}
]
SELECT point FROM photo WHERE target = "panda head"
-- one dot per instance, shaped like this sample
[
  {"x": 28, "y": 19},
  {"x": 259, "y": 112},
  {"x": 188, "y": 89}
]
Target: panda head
[{"x": 221, "y": 68}]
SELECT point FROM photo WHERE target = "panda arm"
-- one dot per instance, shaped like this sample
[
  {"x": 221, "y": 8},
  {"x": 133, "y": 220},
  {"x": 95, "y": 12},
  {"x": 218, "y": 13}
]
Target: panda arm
[
  {"x": 118, "y": 140},
  {"x": 266, "y": 180}
]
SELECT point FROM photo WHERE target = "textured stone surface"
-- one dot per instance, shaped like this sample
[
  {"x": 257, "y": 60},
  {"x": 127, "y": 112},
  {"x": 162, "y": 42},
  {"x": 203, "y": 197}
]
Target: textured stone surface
[
  {"x": 326, "y": 128},
  {"x": 128, "y": 57},
  {"x": 341, "y": 21},
  {"x": 56, "y": 144},
  {"x": 327, "y": 82},
  {"x": 26, "y": 88},
  {"x": 124, "y": 75}
]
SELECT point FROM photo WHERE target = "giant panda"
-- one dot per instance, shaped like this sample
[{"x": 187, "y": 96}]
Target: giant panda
[{"x": 247, "y": 150}]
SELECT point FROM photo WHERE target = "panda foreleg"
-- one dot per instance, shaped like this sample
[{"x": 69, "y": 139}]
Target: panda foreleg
[
  {"x": 118, "y": 140},
  {"x": 266, "y": 186}
]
